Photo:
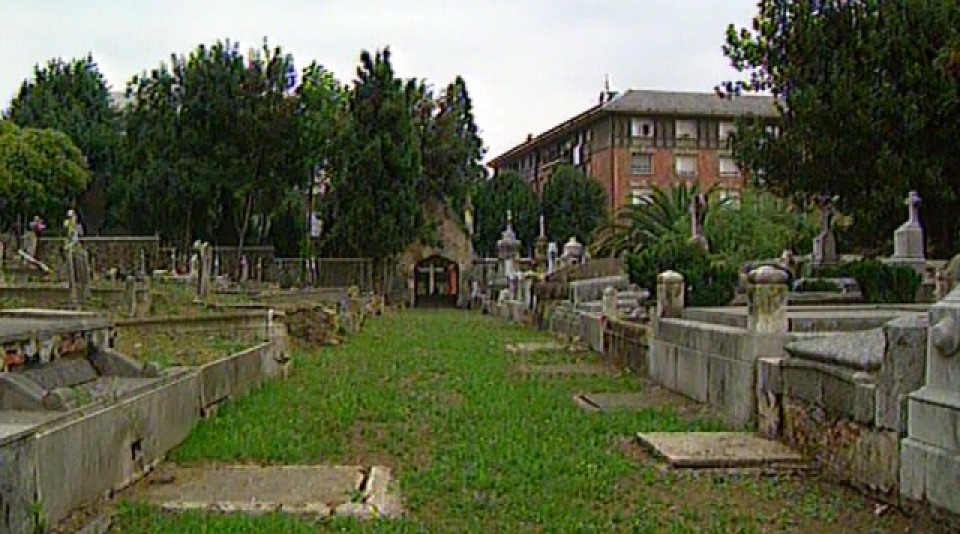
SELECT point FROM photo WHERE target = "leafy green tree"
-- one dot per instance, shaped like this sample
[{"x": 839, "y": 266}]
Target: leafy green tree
[
  {"x": 450, "y": 144},
  {"x": 869, "y": 102},
  {"x": 759, "y": 226},
  {"x": 492, "y": 199},
  {"x": 573, "y": 205},
  {"x": 212, "y": 144},
  {"x": 73, "y": 97},
  {"x": 41, "y": 173},
  {"x": 638, "y": 226},
  {"x": 373, "y": 203}
]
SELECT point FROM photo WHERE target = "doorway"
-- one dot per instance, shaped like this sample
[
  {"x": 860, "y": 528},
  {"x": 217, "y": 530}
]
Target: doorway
[{"x": 436, "y": 283}]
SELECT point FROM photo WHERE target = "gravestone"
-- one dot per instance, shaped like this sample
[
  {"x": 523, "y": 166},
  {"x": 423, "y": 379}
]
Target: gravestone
[
  {"x": 205, "y": 269},
  {"x": 572, "y": 252},
  {"x": 825, "y": 243},
  {"x": 78, "y": 273},
  {"x": 259, "y": 269},
  {"x": 552, "y": 254},
  {"x": 30, "y": 244},
  {"x": 508, "y": 249},
  {"x": 908, "y": 238},
  {"x": 244, "y": 269},
  {"x": 698, "y": 213}
]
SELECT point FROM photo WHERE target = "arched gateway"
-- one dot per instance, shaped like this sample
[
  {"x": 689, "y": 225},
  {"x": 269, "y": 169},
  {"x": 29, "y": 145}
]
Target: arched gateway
[{"x": 436, "y": 282}]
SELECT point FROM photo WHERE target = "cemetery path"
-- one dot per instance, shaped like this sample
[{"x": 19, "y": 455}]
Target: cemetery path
[{"x": 477, "y": 446}]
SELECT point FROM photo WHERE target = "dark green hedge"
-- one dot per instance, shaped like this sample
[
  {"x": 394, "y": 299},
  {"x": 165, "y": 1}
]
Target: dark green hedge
[{"x": 880, "y": 283}]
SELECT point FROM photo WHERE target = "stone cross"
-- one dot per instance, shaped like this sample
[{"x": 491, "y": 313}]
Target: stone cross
[{"x": 913, "y": 204}]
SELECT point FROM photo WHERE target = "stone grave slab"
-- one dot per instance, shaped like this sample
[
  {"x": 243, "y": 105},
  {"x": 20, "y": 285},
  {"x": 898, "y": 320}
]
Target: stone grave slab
[
  {"x": 565, "y": 369},
  {"x": 602, "y": 402},
  {"x": 721, "y": 450},
  {"x": 531, "y": 347},
  {"x": 14, "y": 422},
  {"x": 299, "y": 489}
]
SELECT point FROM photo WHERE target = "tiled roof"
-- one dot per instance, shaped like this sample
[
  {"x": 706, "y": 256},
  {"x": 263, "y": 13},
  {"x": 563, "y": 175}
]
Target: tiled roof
[{"x": 670, "y": 102}]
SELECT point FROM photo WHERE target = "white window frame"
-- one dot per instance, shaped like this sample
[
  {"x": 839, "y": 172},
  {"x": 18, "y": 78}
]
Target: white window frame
[
  {"x": 636, "y": 128},
  {"x": 681, "y": 170},
  {"x": 637, "y": 194},
  {"x": 685, "y": 128},
  {"x": 725, "y": 129},
  {"x": 633, "y": 168},
  {"x": 731, "y": 170}
]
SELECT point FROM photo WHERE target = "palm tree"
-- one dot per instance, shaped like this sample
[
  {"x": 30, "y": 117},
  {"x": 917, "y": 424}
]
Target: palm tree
[{"x": 639, "y": 225}]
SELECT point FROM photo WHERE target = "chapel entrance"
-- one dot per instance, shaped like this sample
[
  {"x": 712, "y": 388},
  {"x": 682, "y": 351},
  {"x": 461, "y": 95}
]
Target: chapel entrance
[{"x": 436, "y": 283}]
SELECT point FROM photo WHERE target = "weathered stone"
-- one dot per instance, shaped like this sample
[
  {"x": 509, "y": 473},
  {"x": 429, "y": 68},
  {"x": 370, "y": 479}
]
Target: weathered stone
[
  {"x": 720, "y": 449},
  {"x": 767, "y": 301},
  {"x": 670, "y": 294},
  {"x": 904, "y": 363},
  {"x": 854, "y": 350}
]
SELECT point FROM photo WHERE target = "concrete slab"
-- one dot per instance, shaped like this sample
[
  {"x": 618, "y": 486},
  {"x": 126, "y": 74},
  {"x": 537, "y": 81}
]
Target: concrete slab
[
  {"x": 303, "y": 489},
  {"x": 565, "y": 369},
  {"x": 602, "y": 402},
  {"x": 531, "y": 347},
  {"x": 721, "y": 450},
  {"x": 14, "y": 422}
]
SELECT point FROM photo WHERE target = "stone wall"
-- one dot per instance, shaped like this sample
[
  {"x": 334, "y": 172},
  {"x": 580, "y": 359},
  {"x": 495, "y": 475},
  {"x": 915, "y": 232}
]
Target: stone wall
[
  {"x": 625, "y": 345},
  {"x": 18, "y": 485},
  {"x": 598, "y": 268},
  {"x": 710, "y": 363},
  {"x": 845, "y": 405}
]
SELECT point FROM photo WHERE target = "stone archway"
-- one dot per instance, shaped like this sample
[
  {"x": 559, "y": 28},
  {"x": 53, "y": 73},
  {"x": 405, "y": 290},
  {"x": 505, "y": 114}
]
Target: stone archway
[{"x": 436, "y": 282}]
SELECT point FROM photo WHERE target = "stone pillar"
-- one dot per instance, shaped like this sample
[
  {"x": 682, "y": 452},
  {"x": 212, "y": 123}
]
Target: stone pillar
[
  {"x": 767, "y": 301},
  {"x": 610, "y": 296},
  {"x": 670, "y": 294},
  {"x": 930, "y": 455}
]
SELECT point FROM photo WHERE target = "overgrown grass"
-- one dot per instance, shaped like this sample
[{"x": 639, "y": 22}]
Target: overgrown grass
[{"x": 478, "y": 447}]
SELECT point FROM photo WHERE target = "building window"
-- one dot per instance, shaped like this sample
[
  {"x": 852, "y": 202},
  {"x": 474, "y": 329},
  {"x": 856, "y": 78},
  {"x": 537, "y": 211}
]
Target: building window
[
  {"x": 641, "y": 163},
  {"x": 640, "y": 195},
  {"x": 641, "y": 128},
  {"x": 686, "y": 165},
  {"x": 686, "y": 129},
  {"x": 728, "y": 167},
  {"x": 726, "y": 128}
]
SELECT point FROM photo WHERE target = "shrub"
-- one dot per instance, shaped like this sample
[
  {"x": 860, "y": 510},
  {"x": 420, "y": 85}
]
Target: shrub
[
  {"x": 880, "y": 283},
  {"x": 811, "y": 285},
  {"x": 709, "y": 282}
]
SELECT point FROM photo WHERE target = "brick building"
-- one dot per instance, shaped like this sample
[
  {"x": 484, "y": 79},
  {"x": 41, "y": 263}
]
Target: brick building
[{"x": 641, "y": 139}]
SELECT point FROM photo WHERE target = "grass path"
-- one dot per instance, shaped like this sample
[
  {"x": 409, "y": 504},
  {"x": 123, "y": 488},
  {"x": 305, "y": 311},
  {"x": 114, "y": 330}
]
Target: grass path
[{"x": 477, "y": 447}]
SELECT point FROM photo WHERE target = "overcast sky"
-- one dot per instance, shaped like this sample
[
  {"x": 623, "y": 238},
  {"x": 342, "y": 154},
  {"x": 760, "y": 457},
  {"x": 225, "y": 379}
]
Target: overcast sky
[{"x": 529, "y": 64}]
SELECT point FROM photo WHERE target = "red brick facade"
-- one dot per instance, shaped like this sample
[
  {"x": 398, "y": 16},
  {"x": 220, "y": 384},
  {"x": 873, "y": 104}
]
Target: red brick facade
[{"x": 671, "y": 144}]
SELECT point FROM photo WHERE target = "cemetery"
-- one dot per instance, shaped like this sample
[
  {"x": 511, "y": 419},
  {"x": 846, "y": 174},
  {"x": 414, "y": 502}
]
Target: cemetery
[{"x": 238, "y": 295}]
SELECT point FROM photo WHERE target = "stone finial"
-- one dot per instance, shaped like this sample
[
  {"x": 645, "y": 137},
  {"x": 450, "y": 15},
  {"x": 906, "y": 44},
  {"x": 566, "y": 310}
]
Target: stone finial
[
  {"x": 913, "y": 207},
  {"x": 768, "y": 275},
  {"x": 670, "y": 294}
]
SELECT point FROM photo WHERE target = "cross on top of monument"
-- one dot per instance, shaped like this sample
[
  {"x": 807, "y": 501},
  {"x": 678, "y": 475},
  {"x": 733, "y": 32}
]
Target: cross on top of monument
[{"x": 913, "y": 205}]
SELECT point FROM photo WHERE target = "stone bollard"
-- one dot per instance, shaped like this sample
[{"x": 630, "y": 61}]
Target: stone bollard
[
  {"x": 670, "y": 294},
  {"x": 610, "y": 303},
  {"x": 767, "y": 301}
]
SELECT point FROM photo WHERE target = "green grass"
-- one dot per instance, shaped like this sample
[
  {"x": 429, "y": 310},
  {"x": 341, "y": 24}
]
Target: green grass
[{"x": 479, "y": 448}]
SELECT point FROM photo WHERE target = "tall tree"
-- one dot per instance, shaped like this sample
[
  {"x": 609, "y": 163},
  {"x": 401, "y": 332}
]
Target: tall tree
[
  {"x": 492, "y": 199},
  {"x": 41, "y": 172},
  {"x": 450, "y": 144},
  {"x": 73, "y": 97},
  {"x": 869, "y": 102},
  {"x": 574, "y": 205},
  {"x": 209, "y": 150},
  {"x": 373, "y": 204}
]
